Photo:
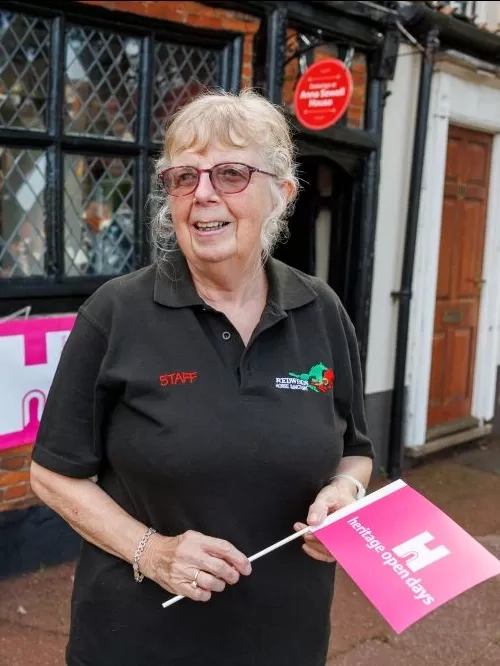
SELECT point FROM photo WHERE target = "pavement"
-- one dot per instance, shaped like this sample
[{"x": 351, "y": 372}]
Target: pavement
[{"x": 34, "y": 608}]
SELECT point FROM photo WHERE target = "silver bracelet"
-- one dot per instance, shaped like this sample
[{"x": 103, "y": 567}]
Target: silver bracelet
[
  {"x": 138, "y": 577},
  {"x": 361, "y": 490}
]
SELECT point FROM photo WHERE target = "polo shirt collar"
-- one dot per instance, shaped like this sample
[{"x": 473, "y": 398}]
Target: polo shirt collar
[
  {"x": 287, "y": 288},
  {"x": 174, "y": 285}
]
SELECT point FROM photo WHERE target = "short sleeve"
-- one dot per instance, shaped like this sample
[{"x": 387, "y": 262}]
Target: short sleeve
[
  {"x": 356, "y": 439},
  {"x": 68, "y": 440}
]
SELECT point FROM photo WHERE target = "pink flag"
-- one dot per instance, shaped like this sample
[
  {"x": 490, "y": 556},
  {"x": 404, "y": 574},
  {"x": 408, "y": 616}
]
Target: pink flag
[{"x": 405, "y": 554}]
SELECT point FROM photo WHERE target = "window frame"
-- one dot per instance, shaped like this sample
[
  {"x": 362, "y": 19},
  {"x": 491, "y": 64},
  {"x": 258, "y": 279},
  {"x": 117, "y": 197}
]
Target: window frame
[{"x": 36, "y": 290}]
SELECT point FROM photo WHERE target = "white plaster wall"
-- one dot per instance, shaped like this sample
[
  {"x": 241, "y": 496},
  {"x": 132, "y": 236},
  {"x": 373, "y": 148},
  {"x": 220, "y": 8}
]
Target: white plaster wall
[
  {"x": 397, "y": 149},
  {"x": 489, "y": 13}
]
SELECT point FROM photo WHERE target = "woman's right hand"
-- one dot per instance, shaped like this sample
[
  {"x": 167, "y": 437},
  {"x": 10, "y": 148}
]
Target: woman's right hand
[{"x": 173, "y": 563}]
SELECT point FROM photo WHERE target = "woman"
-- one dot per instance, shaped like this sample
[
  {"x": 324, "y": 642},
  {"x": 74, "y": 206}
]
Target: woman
[{"x": 216, "y": 396}]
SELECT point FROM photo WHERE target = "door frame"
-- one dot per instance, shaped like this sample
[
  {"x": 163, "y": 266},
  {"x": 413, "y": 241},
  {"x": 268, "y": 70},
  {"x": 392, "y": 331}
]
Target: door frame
[
  {"x": 451, "y": 410},
  {"x": 459, "y": 97}
]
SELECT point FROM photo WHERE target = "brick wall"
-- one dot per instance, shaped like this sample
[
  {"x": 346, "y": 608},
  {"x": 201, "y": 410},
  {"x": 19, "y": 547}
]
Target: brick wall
[
  {"x": 356, "y": 110},
  {"x": 196, "y": 15},
  {"x": 291, "y": 73},
  {"x": 15, "y": 490}
]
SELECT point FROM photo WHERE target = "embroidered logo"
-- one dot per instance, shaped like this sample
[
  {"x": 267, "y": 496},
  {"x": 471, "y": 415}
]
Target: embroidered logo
[
  {"x": 319, "y": 379},
  {"x": 173, "y": 378}
]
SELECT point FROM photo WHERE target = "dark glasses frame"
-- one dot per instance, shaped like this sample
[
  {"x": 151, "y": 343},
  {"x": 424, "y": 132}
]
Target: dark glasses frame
[{"x": 251, "y": 171}]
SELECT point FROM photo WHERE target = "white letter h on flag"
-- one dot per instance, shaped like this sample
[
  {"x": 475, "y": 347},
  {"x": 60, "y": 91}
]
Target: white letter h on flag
[{"x": 419, "y": 554}]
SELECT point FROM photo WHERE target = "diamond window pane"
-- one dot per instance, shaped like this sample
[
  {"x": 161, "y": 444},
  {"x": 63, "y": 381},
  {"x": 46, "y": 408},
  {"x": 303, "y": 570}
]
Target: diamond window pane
[
  {"x": 101, "y": 84},
  {"x": 180, "y": 73},
  {"x": 24, "y": 70},
  {"x": 99, "y": 215},
  {"x": 22, "y": 213}
]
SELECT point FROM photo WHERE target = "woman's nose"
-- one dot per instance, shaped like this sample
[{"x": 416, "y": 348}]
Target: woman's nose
[{"x": 205, "y": 190}]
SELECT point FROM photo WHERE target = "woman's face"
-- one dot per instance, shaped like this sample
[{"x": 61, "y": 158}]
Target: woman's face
[{"x": 215, "y": 227}]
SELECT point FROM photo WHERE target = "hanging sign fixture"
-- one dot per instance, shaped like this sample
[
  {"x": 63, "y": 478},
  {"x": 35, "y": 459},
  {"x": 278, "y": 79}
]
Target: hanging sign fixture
[{"x": 323, "y": 93}]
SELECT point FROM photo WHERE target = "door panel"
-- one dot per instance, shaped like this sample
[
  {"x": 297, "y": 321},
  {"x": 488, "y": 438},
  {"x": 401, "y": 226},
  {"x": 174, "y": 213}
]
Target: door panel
[
  {"x": 460, "y": 343},
  {"x": 438, "y": 367},
  {"x": 459, "y": 275},
  {"x": 471, "y": 223},
  {"x": 444, "y": 286}
]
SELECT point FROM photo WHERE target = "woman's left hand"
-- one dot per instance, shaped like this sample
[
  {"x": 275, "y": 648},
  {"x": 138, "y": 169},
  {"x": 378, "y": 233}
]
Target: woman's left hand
[{"x": 331, "y": 498}]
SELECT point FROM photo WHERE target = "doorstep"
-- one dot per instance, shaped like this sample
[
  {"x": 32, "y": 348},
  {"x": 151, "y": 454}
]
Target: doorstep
[{"x": 448, "y": 441}]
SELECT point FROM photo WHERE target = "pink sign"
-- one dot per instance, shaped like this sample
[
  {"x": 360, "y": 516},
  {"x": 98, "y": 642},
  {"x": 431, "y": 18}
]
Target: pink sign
[
  {"x": 29, "y": 353},
  {"x": 405, "y": 554}
]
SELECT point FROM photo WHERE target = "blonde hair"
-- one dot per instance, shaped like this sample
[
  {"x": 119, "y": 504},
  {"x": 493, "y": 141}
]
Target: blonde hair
[{"x": 233, "y": 120}]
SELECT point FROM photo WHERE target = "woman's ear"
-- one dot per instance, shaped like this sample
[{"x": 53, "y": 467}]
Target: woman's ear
[{"x": 289, "y": 189}]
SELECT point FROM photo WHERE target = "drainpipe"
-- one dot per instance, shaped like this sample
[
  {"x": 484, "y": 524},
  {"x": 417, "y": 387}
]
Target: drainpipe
[{"x": 404, "y": 295}]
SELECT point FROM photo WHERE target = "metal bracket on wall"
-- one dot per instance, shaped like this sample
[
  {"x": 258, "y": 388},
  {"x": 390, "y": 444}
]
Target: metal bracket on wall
[
  {"x": 402, "y": 295},
  {"x": 349, "y": 56},
  {"x": 310, "y": 43}
]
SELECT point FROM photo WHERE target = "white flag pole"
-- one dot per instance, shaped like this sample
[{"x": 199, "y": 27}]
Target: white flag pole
[
  {"x": 252, "y": 558},
  {"x": 333, "y": 517}
]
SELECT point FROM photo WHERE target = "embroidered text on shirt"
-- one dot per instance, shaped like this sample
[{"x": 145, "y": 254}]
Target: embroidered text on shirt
[
  {"x": 173, "y": 378},
  {"x": 319, "y": 379}
]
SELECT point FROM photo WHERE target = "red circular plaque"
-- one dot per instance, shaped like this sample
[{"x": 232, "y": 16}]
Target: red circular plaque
[{"x": 322, "y": 94}]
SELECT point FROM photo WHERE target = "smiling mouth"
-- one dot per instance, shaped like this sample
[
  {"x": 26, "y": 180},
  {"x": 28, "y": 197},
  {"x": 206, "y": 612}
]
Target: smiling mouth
[{"x": 210, "y": 226}]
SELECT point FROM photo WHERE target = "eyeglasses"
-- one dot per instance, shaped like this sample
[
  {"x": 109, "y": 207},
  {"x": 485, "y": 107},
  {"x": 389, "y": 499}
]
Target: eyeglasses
[{"x": 226, "y": 178}]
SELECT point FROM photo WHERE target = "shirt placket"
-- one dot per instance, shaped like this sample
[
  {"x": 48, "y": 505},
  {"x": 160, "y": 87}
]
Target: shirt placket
[
  {"x": 225, "y": 339},
  {"x": 228, "y": 343}
]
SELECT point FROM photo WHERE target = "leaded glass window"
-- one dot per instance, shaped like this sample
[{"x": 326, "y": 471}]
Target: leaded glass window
[{"x": 83, "y": 107}]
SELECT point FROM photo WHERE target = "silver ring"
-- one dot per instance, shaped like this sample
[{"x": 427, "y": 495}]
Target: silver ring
[{"x": 194, "y": 583}]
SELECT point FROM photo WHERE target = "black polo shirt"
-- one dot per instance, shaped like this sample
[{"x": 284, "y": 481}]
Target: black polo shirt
[{"x": 186, "y": 428}]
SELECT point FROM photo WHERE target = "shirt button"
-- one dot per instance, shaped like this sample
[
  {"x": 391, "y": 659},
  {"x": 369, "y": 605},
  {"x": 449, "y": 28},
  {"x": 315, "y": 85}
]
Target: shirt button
[{"x": 226, "y": 335}]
